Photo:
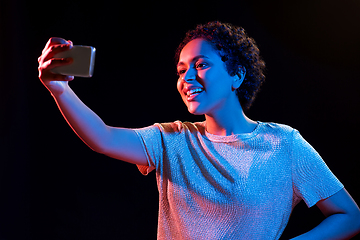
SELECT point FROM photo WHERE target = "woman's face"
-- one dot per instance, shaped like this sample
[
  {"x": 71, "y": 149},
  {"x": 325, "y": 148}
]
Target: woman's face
[{"x": 204, "y": 83}]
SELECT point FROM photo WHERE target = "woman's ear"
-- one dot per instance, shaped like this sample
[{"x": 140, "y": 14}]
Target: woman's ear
[{"x": 239, "y": 77}]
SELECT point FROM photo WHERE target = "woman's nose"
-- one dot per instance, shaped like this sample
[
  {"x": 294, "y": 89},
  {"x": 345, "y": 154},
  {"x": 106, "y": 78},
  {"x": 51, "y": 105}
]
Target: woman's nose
[{"x": 190, "y": 75}]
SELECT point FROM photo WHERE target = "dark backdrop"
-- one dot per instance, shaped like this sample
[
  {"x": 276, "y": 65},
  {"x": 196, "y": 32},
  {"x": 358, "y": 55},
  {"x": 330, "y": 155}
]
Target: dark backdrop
[{"x": 54, "y": 187}]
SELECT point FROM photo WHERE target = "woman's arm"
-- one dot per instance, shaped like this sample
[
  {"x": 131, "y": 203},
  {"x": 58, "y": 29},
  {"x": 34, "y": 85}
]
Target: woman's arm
[
  {"x": 119, "y": 143},
  {"x": 342, "y": 218}
]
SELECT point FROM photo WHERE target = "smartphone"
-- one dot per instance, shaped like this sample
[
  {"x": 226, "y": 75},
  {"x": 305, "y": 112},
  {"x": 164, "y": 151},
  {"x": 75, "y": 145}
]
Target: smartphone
[{"x": 83, "y": 61}]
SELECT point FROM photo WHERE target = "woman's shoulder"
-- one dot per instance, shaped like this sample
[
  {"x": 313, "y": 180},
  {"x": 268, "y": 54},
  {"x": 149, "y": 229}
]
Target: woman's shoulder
[
  {"x": 179, "y": 127},
  {"x": 277, "y": 128}
]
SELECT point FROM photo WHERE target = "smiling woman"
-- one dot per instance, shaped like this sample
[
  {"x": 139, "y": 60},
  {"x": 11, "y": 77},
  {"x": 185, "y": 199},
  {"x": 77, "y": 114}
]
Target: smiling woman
[
  {"x": 204, "y": 83},
  {"x": 237, "y": 50},
  {"x": 228, "y": 177}
]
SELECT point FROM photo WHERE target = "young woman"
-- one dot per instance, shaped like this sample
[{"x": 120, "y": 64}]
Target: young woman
[{"x": 228, "y": 177}]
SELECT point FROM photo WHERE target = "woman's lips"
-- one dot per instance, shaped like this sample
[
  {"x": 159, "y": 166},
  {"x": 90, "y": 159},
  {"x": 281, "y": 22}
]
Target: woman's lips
[{"x": 193, "y": 93}]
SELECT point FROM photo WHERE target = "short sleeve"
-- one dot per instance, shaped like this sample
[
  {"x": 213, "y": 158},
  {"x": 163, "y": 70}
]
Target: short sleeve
[
  {"x": 312, "y": 179},
  {"x": 150, "y": 138}
]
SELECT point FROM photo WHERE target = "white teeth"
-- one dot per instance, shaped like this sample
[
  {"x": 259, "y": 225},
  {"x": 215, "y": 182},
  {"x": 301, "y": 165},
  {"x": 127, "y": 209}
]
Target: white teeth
[{"x": 192, "y": 91}]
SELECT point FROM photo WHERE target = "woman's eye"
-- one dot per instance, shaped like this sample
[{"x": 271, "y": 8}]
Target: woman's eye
[
  {"x": 201, "y": 65},
  {"x": 181, "y": 71}
]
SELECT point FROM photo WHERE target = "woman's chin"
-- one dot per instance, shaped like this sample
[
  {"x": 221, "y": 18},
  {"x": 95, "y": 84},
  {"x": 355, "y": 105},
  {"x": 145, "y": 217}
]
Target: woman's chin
[
  {"x": 196, "y": 113},
  {"x": 195, "y": 110}
]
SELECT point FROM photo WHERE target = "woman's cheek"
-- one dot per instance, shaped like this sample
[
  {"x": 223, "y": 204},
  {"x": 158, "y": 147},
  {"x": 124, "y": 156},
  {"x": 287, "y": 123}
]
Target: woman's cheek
[{"x": 179, "y": 85}]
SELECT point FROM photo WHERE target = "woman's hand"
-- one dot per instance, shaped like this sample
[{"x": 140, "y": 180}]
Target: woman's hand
[{"x": 55, "y": 83}]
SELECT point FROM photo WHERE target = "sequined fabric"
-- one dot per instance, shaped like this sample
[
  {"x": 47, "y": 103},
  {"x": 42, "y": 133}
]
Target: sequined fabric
[{"x": 232, "y": 187}]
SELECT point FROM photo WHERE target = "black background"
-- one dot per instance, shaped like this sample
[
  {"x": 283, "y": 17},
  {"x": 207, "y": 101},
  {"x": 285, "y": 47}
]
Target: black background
[{"x": 54, "y": 187}]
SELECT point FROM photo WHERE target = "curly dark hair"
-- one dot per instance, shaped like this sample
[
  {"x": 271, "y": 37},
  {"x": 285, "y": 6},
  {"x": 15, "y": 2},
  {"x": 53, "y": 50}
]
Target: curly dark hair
[{"x": 237, "y": 50}]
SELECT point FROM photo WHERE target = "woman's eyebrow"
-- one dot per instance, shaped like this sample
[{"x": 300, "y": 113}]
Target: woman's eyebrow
[{"x": 193, "y": 59}]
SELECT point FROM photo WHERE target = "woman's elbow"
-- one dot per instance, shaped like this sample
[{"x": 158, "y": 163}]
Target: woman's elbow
[
  {"x": 353, "y": 222},
  {"x": 356, "y": 220}
]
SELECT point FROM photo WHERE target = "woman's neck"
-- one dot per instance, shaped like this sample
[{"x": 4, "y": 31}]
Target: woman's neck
[{"x": 229, "y": 121}]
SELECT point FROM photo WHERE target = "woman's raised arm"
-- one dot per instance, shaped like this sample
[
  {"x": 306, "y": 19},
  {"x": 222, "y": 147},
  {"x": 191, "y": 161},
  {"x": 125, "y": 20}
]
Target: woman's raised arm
[{"x": 119, "y": 143}]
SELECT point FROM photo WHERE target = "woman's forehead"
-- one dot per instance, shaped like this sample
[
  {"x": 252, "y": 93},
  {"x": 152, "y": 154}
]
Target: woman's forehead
[{"x": 195, "y": 48}]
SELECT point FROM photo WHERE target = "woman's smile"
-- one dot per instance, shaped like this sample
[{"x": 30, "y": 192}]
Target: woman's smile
[{"x": 193, "y": 93}]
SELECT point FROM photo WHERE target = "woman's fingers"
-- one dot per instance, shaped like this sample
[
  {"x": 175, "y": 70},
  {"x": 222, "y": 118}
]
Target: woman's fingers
[
  {"x": 47, "y": 77},
  {"x": 55, "y": 83},
  {"x": 48, "y": 62},
  {"x": 53, "y": 50},
  {"x": 56, "y": 62},
  {"x": 60, "y": 77},
  {"x": 54, "y": 46},
  {"x": 45, "y": 69},
  {"x": 55, "y": 41}
]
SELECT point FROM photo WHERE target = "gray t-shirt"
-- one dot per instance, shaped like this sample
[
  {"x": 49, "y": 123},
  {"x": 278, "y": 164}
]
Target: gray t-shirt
[{"x": 240, "y": 186}]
